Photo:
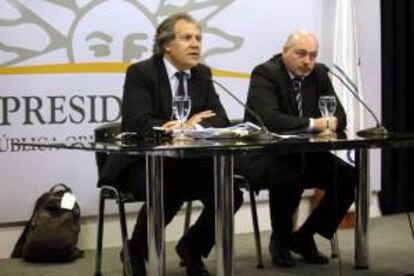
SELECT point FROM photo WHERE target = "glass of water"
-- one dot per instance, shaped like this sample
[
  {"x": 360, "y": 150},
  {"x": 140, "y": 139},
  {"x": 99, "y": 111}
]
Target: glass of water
[
  {"x": 181, "y": 107},
  {"x": 327, "y": 106}
]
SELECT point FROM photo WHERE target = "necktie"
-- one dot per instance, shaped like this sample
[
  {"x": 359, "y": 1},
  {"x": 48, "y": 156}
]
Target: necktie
[
  {"x": 297, "y": 88},
  {"x": 181, "y": 76},
  {"x": 297, "y": 85}
]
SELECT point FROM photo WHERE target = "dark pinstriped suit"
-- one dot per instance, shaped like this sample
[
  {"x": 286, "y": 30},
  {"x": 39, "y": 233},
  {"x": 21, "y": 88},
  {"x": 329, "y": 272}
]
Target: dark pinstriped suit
[{"x": 271, "y": 96}]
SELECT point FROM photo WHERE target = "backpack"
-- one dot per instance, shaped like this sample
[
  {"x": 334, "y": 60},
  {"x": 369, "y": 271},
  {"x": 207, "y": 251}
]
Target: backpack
[{"x": 52, "y": 232}]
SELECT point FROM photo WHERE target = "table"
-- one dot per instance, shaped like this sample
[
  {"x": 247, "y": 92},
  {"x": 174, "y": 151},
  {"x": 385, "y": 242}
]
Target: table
[{"x": 224, "y": 152}]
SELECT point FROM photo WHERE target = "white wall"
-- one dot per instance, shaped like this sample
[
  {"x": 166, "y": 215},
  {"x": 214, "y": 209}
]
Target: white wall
[
  {"x": 244, "y": 41},
  {"x": 369, "y": 28}
]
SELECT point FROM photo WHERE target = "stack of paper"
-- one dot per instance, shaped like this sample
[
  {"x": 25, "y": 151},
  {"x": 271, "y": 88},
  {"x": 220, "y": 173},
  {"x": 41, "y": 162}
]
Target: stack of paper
[{"x": 236, "y": 131}]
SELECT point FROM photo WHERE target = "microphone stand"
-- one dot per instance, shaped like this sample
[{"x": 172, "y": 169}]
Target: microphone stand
[
  {"x": 379, "y": 130},
  {"x": 264, "y": 134}
]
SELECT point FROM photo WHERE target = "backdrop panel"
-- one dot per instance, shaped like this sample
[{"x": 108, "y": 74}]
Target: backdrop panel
[{"x": 62, "y": 71}]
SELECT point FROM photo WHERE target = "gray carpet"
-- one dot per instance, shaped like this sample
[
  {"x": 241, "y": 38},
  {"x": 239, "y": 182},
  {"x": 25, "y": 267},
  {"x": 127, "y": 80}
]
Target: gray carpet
[{"x": 391, "y": 243}]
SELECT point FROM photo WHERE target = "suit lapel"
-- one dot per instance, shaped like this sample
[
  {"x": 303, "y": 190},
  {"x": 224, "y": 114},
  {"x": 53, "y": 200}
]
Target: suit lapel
[
  {"x": 164, "y": 89},
  {"x": 193, "y": 84},
  {"x": 195, "y": 90},
  {"x": 288, "y": 91}
]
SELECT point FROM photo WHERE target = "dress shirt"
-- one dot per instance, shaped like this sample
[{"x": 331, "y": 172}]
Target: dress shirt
[{"x": 171, "y": 71}]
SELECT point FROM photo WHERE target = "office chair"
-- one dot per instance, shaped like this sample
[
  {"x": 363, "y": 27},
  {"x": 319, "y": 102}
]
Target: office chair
[
  {"x": 243, "y": 183},
  {"x": 107, "y": 133}
]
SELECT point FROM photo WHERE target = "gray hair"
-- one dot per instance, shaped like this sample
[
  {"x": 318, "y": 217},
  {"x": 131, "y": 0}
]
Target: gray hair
[
  {"x": 166, "y": 33},
  {"x": 296, "y": 35}
]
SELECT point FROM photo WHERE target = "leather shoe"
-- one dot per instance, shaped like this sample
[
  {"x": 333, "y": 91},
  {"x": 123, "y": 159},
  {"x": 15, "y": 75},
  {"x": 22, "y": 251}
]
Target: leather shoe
[
  {"x": 306, "y": 247},
  {"x": 192, "y": 261},
  {"x": 137, "y": 263},
  {"x": 281, "y": 256}
]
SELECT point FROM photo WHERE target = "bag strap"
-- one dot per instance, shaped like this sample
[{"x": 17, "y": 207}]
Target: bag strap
[
  {"x": 59, "y": 186},
  {"x": 18, "y": 248}
]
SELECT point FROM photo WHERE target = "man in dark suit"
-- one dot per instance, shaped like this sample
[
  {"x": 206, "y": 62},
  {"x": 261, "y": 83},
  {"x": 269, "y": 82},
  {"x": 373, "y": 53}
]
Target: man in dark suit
[
  {"x": 147, "y": 102},
  {"x": 274, "y": 94}
]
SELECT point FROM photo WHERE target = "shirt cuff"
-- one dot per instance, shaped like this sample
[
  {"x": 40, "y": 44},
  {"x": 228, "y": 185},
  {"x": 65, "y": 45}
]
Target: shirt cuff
[
  {"x": 198, "y": 127},
  {"x": 311, "y": 124}
]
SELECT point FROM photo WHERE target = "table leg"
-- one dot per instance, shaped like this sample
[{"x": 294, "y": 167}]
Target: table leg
[
  {"x": 155, "y": 213},
  {"x": 223, "y": 171},
  {"x": 362, "y": 204}
]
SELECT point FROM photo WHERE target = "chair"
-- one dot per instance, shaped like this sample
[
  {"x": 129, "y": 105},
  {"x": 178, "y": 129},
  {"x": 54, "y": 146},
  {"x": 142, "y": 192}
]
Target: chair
[
  {"x": 243, "y": 183},
  {"x": 107, "y": 133},
  {"x": 333, "y": 241}
]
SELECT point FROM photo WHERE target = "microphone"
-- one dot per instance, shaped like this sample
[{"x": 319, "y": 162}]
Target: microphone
[
  {"x": 264, "y": 134},
  {"x": 379, "y": 130}
]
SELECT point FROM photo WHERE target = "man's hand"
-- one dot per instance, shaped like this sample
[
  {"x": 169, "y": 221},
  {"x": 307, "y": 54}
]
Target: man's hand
[
  {"x": 171, "y": 125},
  {"x": 199, "y": 117},
  {"x": 324, "y": 123},
  {"x": 189, "y": 124},
  {"x": 175, "y": 125}
]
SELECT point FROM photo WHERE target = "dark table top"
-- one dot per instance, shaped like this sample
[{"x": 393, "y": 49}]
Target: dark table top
[{"x": 210, "y": 147}]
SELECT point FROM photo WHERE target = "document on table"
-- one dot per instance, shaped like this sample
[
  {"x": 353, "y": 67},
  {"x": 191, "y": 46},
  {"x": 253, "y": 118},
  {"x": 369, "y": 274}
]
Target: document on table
[{"x": 242, "y": 130}]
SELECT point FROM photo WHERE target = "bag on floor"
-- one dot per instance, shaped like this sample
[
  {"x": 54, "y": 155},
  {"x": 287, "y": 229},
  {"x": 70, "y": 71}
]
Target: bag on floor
[{"x": 52, "y": 233}]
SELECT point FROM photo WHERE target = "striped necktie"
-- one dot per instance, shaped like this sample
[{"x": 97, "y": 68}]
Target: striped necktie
[
  {"x": 297, "y": 88},
  {"x": 297, "y": 85}
]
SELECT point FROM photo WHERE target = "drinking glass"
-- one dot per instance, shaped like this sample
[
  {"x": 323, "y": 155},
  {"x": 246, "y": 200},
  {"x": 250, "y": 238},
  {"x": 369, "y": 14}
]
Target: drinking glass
[
  {"x": 327, "y": 106},
  {"x": 181, "y": 107}
]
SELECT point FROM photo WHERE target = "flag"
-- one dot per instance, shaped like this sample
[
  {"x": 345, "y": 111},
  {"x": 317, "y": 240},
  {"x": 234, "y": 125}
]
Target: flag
[{"x": 346, "y": 63}]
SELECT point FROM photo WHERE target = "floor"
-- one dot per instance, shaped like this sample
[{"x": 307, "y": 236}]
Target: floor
[{"x": 391, "y": 244}]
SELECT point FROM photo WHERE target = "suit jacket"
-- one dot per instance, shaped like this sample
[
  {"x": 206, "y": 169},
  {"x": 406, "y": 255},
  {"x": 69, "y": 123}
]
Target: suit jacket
[
  {"x": 147, "y": 99},
  {"x": 272, "y": 97},
  {"x": 147, "y": 102}
]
